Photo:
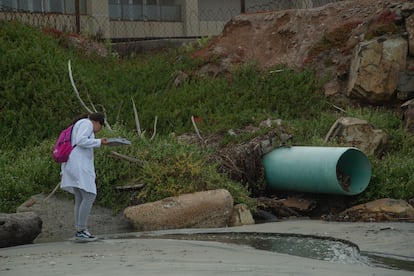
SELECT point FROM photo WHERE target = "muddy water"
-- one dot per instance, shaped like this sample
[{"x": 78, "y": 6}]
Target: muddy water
[{"x": 307, "y": 246}]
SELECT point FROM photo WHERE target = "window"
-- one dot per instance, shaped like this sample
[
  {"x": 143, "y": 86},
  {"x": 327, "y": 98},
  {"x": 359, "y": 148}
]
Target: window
[
  {"x": 46, "y": 6},
  {"x": 56, "y": 6},
  {"x": 146, "y": 10},
  {"x": 151, "y": 10},
  {"x": 7, "y": 4},
  {"x": 166, "y": 2}
]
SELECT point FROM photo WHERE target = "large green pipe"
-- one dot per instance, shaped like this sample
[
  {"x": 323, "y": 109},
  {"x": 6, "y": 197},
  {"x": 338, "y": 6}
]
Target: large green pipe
[{"x": 328, "y": 170}]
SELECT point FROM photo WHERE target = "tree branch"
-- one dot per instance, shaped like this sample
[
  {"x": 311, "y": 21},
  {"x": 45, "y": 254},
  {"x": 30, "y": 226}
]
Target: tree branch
[{"x": 76, "y": 89}]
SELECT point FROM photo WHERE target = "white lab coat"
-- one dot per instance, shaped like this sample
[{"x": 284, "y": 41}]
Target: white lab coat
[{"x": 79, "y": 170}]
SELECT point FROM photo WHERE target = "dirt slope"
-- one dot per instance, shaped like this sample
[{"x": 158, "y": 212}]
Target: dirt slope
[{"x": 297, "y": 38}]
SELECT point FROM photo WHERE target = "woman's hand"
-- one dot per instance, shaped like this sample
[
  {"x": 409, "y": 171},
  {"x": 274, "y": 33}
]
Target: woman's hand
[{"x": 103, "y": 141}]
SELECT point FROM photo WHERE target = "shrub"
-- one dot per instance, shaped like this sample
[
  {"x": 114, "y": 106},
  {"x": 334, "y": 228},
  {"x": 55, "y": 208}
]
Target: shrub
[
  {"x": 168, "y": 169},
  {"x": 38, "y": 102},
  {"x": 26, "y": 172}
]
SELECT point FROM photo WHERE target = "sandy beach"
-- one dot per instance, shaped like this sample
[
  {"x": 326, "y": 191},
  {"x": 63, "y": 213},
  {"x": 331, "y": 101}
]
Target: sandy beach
[{"x": 132, "y": 254}]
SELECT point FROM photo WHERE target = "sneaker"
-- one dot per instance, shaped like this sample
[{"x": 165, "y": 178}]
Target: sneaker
[{"x": 84, "y": 236}]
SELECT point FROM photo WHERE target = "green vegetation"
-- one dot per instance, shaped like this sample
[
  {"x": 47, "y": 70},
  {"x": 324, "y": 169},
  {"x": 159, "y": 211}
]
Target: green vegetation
[{"x": 37, "y": 101}]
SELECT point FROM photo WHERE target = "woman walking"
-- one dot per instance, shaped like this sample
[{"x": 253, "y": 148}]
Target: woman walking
[{"x": 78, "y": 173}]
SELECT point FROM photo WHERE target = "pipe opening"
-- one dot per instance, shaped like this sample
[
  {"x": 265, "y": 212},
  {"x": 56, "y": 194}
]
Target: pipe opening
[{"x": 353, "y": 171}]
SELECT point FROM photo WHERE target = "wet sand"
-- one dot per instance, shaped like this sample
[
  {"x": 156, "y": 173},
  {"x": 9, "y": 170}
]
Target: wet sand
[{"x": 130, "y": 254}]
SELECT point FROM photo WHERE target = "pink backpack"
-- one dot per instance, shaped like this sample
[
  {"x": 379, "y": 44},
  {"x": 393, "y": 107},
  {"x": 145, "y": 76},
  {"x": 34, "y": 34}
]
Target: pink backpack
[{"x": 63, "y": 146}]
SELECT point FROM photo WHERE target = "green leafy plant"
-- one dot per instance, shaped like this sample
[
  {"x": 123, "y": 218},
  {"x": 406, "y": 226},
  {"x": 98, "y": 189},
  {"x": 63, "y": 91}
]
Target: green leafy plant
[{"x": 37, "y": 102}]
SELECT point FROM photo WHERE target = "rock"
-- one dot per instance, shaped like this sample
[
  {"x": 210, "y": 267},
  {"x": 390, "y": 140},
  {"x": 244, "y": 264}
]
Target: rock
[
  {"x": 19, "y": 228},
  {"x": 262, "y": 216},
  {"x": 406, "y": 84},
  {"x": 207, "y": 209},
  {"x": 241, "y": 216},
  {"x": 354, "y": 132},
  {"x": 409, "y": 116},
  {"x": 385, "y": 209},
  {"x": 375, "y": 67},
  {"x": 56, "y": 214},
  {"x": 331, "y": 88},
  {"x": 409, "y": 25},
  {"x": 212, "y": 70},
  {"x": 180, "y": 78}
]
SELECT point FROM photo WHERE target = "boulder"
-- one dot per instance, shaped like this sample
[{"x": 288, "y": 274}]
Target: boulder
[
  {"x": 375, "y": 68},
  {"x": 354, "y": 132},
  {"x": 241, "y": 216},
  {"x": 409, "y": 25},
  {"x": 19, "y": 228},
  {"x": 385, "y": 209},
  {"x": 207, "y": 209}
]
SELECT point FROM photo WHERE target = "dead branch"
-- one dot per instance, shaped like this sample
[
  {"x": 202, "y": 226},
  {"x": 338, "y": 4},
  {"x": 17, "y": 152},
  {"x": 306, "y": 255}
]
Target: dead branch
[
  {"x": 53, "y": 191},
  {"x": 196, "y": 129},
  {"x": 331, "y": 131},
  {"x": 155, "y": 128},
  {"x": 80, "y": 99},
  {"x": 106, "y": 116},
  {"x": 340, "y": 109},
  {"x": 230, "y": 165},
  {"x": 118, "y": 113},
  {"x": 130, "y": 187},
  {"x": 76, "y": 89},
  {"x": 91, "y": 103},
  {"x": 136, "y": 118},
  {"x": 127, "y": 158}
]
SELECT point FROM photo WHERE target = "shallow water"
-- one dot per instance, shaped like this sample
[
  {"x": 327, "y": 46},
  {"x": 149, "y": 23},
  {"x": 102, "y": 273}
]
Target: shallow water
[{"x": 320, "y": 248}]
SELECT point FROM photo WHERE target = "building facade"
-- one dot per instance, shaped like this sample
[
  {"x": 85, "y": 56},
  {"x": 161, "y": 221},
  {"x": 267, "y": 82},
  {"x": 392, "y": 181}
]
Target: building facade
[{"x": 140, "y": 19}]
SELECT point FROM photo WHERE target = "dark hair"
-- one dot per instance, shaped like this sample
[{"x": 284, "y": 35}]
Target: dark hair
[{"x": 97, "y": 117}]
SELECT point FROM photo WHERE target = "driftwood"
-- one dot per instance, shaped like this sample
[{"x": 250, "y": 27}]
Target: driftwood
[
  {"x": 127, "y": 158},
  {"x": 292, "y": 206},
  {"x": 131, "y": 187}
]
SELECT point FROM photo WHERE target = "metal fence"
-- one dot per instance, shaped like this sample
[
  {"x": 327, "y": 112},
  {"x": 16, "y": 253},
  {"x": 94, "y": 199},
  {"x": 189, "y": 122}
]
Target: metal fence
[{"x": 141, "y": 19}]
